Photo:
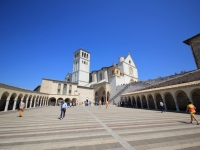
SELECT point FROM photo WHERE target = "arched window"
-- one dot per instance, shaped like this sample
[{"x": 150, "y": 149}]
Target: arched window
[
  {"x": 84, "y": 55},
  {"x": 87, "y": 56},
  {"x": 70, "y": 89},
  {"x": 100, "y": 76},
  {"x": 129, "y": 61},
  {"x": 59, "y": 86},
  {"x": 64, "y": 89}
]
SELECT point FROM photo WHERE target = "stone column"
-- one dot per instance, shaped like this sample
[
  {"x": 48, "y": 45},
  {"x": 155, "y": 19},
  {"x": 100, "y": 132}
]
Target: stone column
[
  {"x": 40, "y": 102},
  {"x": 27, "y": 102},
  {"x": 6, "y": 106},
  {"x": 106, "y": 75},
  {"x": 35, "y": 100},
  {"x": 15, "y": 102},
  {"x": 155, "y": 103},
  {"x": 175, "y": 100},
  {"x": 31, "y": 102},
  {"x": 147, "y": 103},
  {"x": 164, "y": 102}
]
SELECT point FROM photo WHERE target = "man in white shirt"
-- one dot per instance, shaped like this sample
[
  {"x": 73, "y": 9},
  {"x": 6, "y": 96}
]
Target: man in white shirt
[
  {"x": 162, "y": 106},
  {"x": 21, "y": 108},
  {"x": 63, "y": 107}
]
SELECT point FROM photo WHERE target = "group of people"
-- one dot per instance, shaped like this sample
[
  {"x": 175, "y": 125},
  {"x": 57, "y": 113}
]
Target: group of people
[
  {"x": 190, "y": 108},
  {"x": 100, "y": 103}
]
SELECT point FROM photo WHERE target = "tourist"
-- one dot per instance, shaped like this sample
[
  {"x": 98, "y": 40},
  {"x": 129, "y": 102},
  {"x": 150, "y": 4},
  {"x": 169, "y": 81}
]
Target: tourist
[
  {"x": 192, "y": 109},
  {"x": 162, "y": 107},
  {"x": 37, "y": 104},
  {"x": 63, "y": 107},
  {"x": 21, "y": 108},
  {"x": 106, "y": 104},
  {"x": 100, "y": 103}
]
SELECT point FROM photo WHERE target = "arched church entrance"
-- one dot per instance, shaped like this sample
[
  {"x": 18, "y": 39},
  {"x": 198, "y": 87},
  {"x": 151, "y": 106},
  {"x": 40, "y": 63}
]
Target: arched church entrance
[
  {"x": 102, "y": 95},
  {"x": 196, "y": 99},
  {"x": 169, "y": 102},
  {"x": 151, "y": 102},
  {"x": 3, "y": 100},
  {"x": 182, "y": 100},
  {"x": 52, "y": 101}
]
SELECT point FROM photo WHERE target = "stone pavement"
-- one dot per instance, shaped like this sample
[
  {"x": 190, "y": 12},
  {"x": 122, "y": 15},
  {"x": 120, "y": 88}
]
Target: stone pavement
[{"x": 92, "y": 128}]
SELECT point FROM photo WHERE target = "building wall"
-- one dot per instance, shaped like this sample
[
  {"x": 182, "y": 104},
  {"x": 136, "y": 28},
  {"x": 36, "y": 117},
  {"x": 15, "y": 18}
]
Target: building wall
[{"x": 85, "y": 93}]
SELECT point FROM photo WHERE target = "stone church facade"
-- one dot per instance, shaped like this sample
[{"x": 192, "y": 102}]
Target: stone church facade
[{"x": 104, "y": 81}]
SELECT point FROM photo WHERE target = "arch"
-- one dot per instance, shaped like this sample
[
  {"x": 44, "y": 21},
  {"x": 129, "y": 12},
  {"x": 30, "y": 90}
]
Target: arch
[
  {"x": 59, "y": 100},
  {"x": 102, "y": 95},
  {"x": 195, "y": 95},
  {"x": 18, "y": 101},
  {"x": 11, "y": 101},
  {"x": 3, "y": 100},
  {"x": 52, "y": 101},
  {"x": 134, "y": 102},
  {"x": 138, "y": 102},
  {"x": 182, "y": 100},
  {"x": 169, "y": 101},
  {"x": 144, "y": 101},
  {"x": 74, "y": 102},
  {"x": 29, "y": 101},
  {"x": 151, "y": 101},
  {"x": 158, "y": 99},
  {"x": 68, "y": 101}
]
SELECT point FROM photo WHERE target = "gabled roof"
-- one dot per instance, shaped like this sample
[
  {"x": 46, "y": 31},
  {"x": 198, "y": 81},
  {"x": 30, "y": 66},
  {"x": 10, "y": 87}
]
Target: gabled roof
[{"x": 188, "y": 40}]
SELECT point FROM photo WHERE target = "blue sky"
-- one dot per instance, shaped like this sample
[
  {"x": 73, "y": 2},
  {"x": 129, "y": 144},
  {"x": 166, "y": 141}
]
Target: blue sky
[{"x": 38, "y": 37}]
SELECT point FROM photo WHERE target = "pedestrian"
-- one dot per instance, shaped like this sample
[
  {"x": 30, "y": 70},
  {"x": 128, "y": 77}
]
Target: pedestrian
[
  {"x": 37, "y": 104},
  {"x": 21, "y": 108},
  {"x": 63, "y": 107},
  {"x": 106, "y": 104},
  {"x": 192, "y": 109},
  {"x": 100, "y": 103},
  {"x": 162, "y": 107}
]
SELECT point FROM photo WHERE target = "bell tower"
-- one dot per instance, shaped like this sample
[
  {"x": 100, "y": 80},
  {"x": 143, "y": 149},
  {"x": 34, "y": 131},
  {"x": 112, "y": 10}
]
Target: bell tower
[{"x": 81, "y": 67}]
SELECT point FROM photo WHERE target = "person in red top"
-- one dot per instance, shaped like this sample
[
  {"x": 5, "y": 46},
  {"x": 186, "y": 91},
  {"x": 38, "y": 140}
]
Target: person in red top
[{"x": 192, "y": 109}]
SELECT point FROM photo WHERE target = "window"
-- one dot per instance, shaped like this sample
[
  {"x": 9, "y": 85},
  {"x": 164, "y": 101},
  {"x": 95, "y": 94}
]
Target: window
[
  {"x": 129, "y": 62},
  {"x": 59, "y": 86},
  {"x": 87, "y": 56},
  {"x": 64, "y": 89},
  {"x": 70, "y": 89},
  {"x": 112, "y": 72},
  {"x": 100, "y": 76}
]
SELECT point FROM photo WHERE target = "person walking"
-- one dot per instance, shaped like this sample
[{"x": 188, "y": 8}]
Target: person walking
[
  {"x": 21, "y": 108},
  {"x": 192, "y": 110},
  {"x": 162, "y": 107},
  {"x": 100, "y": 103},
  {"x": 63, "y": 107},
  {"x": 106, "y": 104}
]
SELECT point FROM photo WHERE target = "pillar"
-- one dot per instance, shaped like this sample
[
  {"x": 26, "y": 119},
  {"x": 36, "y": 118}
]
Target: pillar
[
  {"x": 175, "y": 100},
  {"x": 35, "y": 102},
  {"x": 27, "y": 102},
  {"x": 141, "y": 103},
  {"x": 6, "y": 106},
  {"x": 147, "y": 103},
  {"x": 94, "y": 77},
  {"x": 155, "y": 102},
  {"x": 31, "y": 102},
  {"x": 164, "y": 102},
  {"x": 15, "y": 102}
]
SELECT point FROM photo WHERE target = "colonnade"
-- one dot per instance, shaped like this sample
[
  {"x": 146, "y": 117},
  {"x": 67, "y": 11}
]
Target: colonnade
[{"x": 175, "y": 97}]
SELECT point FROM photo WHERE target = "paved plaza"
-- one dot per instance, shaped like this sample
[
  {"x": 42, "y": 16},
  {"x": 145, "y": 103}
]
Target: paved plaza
[{"x": 92, "y": 128}]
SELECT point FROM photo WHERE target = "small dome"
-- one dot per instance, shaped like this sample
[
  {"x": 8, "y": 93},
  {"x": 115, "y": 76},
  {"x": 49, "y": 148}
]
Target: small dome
[{"x": 121, "y": 59}]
